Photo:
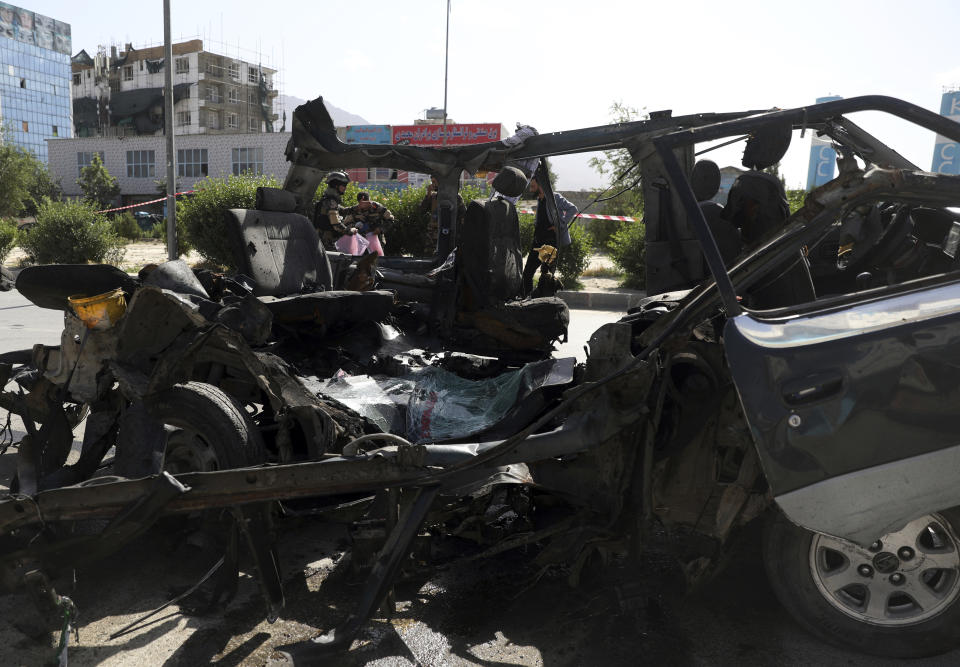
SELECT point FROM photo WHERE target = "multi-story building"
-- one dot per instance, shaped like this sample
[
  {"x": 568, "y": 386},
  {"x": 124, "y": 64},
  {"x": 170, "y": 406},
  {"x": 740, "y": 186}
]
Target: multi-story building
[
  {"x": 121, "y": 94},
  {"x": 34, "y": 78},
  {"x": 138, "y": 162}
]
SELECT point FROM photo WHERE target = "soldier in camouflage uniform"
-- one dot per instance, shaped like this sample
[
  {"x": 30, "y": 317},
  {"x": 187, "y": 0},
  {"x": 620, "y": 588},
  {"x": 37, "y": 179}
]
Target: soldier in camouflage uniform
[
  {"x": 369, "y": 217},
  {"x": 429, "y": 205},
  {"x": 327, "y": 215}
]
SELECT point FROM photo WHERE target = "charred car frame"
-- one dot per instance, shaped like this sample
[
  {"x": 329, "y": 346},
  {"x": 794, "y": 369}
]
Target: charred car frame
[{"x": 803, "y": 367}]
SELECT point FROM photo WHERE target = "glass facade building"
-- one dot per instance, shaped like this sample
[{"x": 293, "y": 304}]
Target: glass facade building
[{"x": 35, "y": 103}]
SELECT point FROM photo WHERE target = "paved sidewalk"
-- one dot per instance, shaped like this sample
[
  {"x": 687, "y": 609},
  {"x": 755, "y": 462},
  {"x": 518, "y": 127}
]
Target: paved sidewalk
[{"x": 602, "y": 299}]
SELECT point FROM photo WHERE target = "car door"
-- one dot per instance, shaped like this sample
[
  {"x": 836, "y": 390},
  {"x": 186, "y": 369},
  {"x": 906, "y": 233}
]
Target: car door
[{"x": 855, "y": 410}]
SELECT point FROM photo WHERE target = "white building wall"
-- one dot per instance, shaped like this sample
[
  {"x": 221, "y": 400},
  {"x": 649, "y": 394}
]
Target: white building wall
[{"x": 63, "y": 157}]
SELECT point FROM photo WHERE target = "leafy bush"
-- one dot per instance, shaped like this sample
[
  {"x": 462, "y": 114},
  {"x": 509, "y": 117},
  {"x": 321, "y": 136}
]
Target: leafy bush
[
  {"x": 573, "y": 259},
  {"x": 795, "y": 199},
  {"x": 527, "y": 224},
  {"x": 601, "y": 231},
  {"x": 71, "y": 233},
  {"x": 628, "y": 251},
  {"x": 158, "y": 231},
  {"x": 200, "y": 217},
  {"x": 8, "y": 237},
  {"x": 125, "y": 226}
]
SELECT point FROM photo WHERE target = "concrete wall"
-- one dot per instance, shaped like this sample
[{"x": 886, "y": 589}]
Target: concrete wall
[{"x": 63, "y": 157}]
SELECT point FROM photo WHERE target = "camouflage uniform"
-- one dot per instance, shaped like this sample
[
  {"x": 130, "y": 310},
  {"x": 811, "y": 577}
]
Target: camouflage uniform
[
  {"x": 374, "y": 219},
  {"x": 327, "y": 218},
  {"x": 429, "y": 204}
]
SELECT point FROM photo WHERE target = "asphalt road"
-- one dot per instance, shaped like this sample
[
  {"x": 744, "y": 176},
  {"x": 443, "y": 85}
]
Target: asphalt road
[{"x": 498, "y": 611}]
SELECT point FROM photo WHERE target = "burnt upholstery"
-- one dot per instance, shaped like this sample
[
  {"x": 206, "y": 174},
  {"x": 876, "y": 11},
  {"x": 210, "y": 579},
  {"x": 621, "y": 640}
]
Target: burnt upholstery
[
  {"x": 279, "y": 250},
  {"x": 705, "y": 180},
  {"x": 757, "y": 206},
  {"x": 491, "y": 262},
  {"x": 491, "y": 267}
]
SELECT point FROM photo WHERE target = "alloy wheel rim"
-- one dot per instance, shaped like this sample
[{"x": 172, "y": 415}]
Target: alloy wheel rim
[{"x": 904, "y": 578}]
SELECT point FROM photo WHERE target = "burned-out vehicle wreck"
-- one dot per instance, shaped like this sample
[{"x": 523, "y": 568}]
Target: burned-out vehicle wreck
[{"x": 797, "y": 369}]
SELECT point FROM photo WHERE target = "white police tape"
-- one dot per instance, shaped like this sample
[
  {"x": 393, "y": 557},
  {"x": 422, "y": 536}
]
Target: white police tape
[
  {"x": 143, "y": 203},
  {"x": 591, "y": 216}
]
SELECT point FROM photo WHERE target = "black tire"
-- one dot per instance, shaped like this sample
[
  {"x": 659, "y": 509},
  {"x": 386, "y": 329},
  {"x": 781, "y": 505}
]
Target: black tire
[
  {"x": 211, "y": 430},
  {"x": 802, "y": 567}
]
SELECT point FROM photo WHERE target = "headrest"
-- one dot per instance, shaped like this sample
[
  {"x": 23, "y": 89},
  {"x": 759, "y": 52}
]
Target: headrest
[
  {"x": 510, "y": 181},
  {"x": 767, "y": 145},
  {"x": 705, "y": 179}
]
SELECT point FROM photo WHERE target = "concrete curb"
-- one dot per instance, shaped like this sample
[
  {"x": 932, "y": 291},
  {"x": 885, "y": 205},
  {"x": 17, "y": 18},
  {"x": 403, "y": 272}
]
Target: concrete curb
[{"x": 620, "y": 300}]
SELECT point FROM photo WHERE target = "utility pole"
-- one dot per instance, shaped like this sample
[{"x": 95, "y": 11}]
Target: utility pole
[
  {"x": 446, "y": 67},
  {"x": 172, "y": 253}
]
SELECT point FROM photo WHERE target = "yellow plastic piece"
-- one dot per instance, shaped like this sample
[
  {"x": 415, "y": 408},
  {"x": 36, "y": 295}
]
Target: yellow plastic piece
[
  {"x": 101, "y": 311},
  {"x": 548, "y": 254}
]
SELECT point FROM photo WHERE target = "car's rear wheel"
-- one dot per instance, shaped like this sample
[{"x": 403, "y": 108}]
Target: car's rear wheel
[{"x": 899, "y": 597}]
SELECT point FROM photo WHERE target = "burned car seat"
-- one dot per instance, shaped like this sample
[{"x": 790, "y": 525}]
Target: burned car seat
[
  {"x": 291, "y": 274},
  {"x": 491, "y": 265},
  {"x": 757, "y": 205},
  {"x": 705, "y": 181}
]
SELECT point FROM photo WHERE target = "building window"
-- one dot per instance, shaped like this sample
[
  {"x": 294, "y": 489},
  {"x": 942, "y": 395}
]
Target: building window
[
  {"x": 183, "y": 65},
  {"x": 253, "y": 124},
  {"x": 76, "y": 79},
  {"x": 252, "y": 75},
  {"x": 251, "y": 97},
  {"x": 213, "y": 120},
  {"x": 183, "y": 118},
  {"x": 141, "y": 164},
  {"x": 85, "y": 159},
  {"x": 234, "y": 71},
  {"x": 247, "y": 161},
  {"x": 128, "y": 73},
  {"x": 192, "y": 162},
  {"x": 233, "y": 96},
  {"x": 213, "y": 94},
  {"x": 23, "y": 83},
  {"x": 232, "y": 121},
  {"x": 54, "y": 128},
  {"x": 26, "y": 126}
]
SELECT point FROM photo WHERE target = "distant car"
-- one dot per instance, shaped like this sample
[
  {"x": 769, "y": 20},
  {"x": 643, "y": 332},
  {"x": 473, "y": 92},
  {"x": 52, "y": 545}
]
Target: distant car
[{"x": 147, "y": 220}]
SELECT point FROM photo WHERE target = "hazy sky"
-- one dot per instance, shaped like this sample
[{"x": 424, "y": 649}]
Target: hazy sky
[{"x": 559, "y": 64}]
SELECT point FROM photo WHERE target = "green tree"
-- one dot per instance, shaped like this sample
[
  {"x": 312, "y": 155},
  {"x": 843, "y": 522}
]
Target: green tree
[
  {"x": 17, "y": 174},
  {"x": 620, "y": 171},
  {"x": 100, "y": 189},
  {"x": 42, "y": 187},
  {"x": 8, "y": 236}
]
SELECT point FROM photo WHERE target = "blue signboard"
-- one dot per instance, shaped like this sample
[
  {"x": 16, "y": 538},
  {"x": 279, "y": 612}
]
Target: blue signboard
[
  {"x": 369, "y": 134},
  {"x": 946, "y": 153},
  {"x": 823, "y": 159}
]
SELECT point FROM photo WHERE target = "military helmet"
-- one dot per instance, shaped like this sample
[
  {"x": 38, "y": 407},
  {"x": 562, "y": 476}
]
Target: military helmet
[{"x": 337, "y": 178}]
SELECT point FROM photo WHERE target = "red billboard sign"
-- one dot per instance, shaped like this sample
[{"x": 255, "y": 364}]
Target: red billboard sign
[{"x": 457, "y": 134}]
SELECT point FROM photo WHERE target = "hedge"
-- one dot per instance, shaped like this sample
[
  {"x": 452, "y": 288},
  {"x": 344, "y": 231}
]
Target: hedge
[{"x": 71, "y": 233}]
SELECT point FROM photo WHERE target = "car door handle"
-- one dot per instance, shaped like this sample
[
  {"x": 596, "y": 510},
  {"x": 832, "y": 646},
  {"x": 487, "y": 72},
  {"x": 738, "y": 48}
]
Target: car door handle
[{"x": 812, "y": 388}]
